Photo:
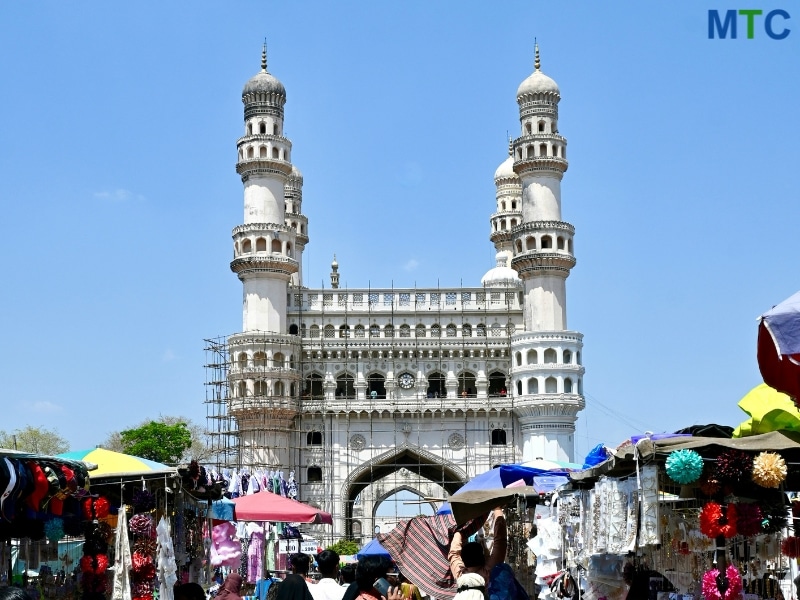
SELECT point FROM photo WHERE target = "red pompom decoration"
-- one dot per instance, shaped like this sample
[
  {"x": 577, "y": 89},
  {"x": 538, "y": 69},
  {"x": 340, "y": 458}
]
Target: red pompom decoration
[
  {"x": 140, "y": 561},
  {"x": 709, "y": 484},
  {"x": 715, "y": 522},
  {"x": 749, "y": 518},
  {"x": 791, "y": 547},
  {"x": 101, "y": 508},
  {"x": 733, "y": 466},
  {"x": 86, "y": 564}
]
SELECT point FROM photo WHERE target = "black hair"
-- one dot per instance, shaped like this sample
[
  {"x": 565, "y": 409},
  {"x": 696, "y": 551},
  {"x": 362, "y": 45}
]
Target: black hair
[
  {"x": 472, "y": 555},
  {"x": 348, "y": 573},
  {"x": 327, "y": 561},
  {"x": 12, "y": 593},
  {"x": 300, "y": 563},
  {"x": 369, "y": 569},
  {"x": 190, "y": 591}
]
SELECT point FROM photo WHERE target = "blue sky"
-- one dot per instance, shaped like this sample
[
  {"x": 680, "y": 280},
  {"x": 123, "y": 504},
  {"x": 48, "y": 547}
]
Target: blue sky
[{"x": 119, "y": 190}]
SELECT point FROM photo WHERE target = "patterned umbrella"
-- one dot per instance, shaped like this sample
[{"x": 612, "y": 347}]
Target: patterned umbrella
[{"x": 110, "y": 463}]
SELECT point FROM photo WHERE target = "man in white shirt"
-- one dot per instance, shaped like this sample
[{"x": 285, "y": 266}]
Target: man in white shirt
[{"x": 327, "y": 588}]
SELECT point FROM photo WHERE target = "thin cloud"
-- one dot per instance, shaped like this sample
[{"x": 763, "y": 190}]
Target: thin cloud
[
  {"x": 118, "y": 195},
  {"x": 168, "y": 356},
  {"x": 411, "y": 265},
  {"x": 44, "y": 407}
]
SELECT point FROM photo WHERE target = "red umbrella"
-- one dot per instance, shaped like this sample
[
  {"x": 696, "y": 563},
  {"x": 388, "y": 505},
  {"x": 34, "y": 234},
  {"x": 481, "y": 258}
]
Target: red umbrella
[
  {"x": 779, "y": 347},
  {"x": 266, "y": 506}
]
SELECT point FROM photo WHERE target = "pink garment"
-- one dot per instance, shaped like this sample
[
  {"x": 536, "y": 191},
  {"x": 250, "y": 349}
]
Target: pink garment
[
  {"x": 255, "y": 552},
  {"x": 225, "y": 551}
]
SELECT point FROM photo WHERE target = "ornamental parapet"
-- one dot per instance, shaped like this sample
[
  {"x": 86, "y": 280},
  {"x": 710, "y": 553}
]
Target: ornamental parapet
[
  {"x": 502, "y": 235},
  {"x": 247, "y": 167},
  {"x": 278, "y": 406},
  {"x": 267, "y": 263},
  {"x": 546, "y": 338},
  {"x": 535, "y": 164},
  {"x": 549, "y": 405},
  {"x": 260, "y": 228},
  {"x": 539, "y": 226},
  {"x": 264, "y": 137},
  {"x": 538, "y": 368},
  {"x": 282, "y": 373},
  {"x": 531, "y": 138},
  {"x": 416, "y": 405},
  {"x": 259, "y": 339},
  {"x": 537, "y": 262}
]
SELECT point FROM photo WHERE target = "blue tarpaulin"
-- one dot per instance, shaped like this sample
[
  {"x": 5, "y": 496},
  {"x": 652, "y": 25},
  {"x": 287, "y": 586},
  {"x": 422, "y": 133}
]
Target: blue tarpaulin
[{"x": 373, "y": 548}]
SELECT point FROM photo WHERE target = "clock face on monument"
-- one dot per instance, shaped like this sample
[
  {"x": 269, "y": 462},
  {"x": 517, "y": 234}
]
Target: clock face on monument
[{"x": 406, "y": 381}]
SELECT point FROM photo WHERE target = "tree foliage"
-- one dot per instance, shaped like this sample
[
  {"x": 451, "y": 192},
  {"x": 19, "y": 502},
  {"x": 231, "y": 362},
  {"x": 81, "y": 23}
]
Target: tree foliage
[
  {"x": 37, "y": 440},
  {"x": 158, "y": 441},
  {"x": 345, "y": 547},
  {"x": 197, "y": 450}
]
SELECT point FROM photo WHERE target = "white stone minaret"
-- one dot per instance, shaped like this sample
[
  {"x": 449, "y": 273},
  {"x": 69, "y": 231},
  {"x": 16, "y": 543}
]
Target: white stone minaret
[
  {"x": 509, "y": 204},
  {"x": 262, "y": 376},
  {"x": 293, "y": 193},
  {"x": 547, "y": 373}
]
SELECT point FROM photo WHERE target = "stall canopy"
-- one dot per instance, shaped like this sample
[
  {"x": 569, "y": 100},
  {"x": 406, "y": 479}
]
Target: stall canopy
[
  {"x": 373, "y": 548},
  {"x": 114, "y": 464},
  {"x": 266, "y": 506},
  {"x": 646, "y": 449}
]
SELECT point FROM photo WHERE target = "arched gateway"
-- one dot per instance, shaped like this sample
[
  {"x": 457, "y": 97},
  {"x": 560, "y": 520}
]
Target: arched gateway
[{"x": 418, "y": 461}]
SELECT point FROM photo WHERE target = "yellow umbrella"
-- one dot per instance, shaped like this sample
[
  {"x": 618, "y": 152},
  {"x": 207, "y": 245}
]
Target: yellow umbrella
[
  {"x": 110, "y": 463},
  {"x": 769, "y": 410}
]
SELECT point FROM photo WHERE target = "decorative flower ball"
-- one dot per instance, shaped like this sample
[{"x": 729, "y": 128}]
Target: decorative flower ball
[
  {"x": 684, "y": 466},
  {"x": 54, "y": 529},
  {"x": 712, "y": 580},
  {"x": 715, "y": 522},
  {"x": 769, "y": 469},
  {"x": 733, "y": 466},
  {"x": 748, "y": 520}
]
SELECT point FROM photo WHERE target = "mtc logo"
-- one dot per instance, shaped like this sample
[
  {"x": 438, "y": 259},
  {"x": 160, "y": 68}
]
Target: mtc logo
[{"x": 722, "y": 26}]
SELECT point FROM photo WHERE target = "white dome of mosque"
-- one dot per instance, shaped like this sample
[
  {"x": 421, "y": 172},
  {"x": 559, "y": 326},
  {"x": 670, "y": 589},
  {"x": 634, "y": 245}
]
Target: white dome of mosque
[
  {"x": 263, "y": 82},
  {"x": 501, "y": 275},
  {"x": 296, "y": 174},
  {"x": 506, "y": 170},
  {"x": 537, "y": 82}
]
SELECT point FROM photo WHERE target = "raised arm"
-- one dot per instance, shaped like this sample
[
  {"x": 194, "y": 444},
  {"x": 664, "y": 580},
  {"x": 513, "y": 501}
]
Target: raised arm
[
  {"x": 500, "y": 542},
  {"x": 454, "y": 556}
]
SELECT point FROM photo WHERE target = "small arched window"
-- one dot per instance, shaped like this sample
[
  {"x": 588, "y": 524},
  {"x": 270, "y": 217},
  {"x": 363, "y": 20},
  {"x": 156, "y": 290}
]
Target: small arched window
[
  {"x": 530, "y": 243},
  {"x": 241, "y": 389},
  {"x": 541, "y": 126},
  {"x": 249, "y": 129},
  {"x": 450, "y": 330},
  {"x": 260, "y": 388},
  {"x": 466, "y": 330},
  {"x": 278, "y": 360},
  {"x": 550, "y": 356},
  {"x": 359, "y": 331},
  {"x": 314, "y": 438},
  {"x": 567, "y": 357},
  {"x": 314, "y": 474},
  {"x": 374, "y": 331},
  {"x": 344, "y": 331},
  {"x": 436, "y": 330},
  {"x": 260, "y": 359},
  {"x": 542, "y": 149},
  {"x": 547, "y": 242},
  {"x": 275, "y": 153},
  {"x": 262, "y": 152},
  {"x": 314, "y": 331},
  {"x": 533, "y": 385},
  {"x": 274, "y": 129},
  {"x": 518, "y": 359},
  {"x": 519, "y": 388},
  {"x": 276, "y": 246},
  {"x": 250, "y": 152},
  {"x": 498, "y": 437},
  {"x": 568, "y": 386},
  {"x": 261, "y": 244},
  {"x": 330, "y": 331},
  {"x": 388, "y": 331},
  {"x": 528, "y": 128},
  {"x": 293, "y": 329},
  {"x": 480, "y": 330},
  {"x": 242, "y": 360},
  {"x": 550, "y": 385},
  {"x": 405, "y": 331},
  {"x": 420, "y": 330},
  {"x": 247, "y": 246},
  {"x": 262, "y": 128},
  {"x": 531, "y": 152}
]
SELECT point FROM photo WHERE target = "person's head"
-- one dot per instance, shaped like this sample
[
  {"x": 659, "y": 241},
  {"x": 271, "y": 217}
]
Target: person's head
[
  {"x": 233, "y": 583},
  {"x": 12, "y": 593},
  {"x": 328, "y": 563},
  {"x": 369, "y": 569},
  {"x": 190, "y": 591},
  {"x": 472, "y": 555},
  {"x": 300, "y": 563},
  {"x": 348, "y": 573}
]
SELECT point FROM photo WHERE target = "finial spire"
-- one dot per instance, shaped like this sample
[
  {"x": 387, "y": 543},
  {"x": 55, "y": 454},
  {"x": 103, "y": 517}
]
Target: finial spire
[
  {"x": 264, "y": 56},
  {"x": 510, "y": 146},
  {"x": 536, "y": 62}
]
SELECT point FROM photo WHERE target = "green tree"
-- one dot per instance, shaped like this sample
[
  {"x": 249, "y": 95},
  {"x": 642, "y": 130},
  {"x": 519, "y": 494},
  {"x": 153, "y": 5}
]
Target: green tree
[
  {"x": 197, "y": 450},
  {"x": 345, "y": 547},
  {"x": 37, "y": 440},
  {"x": 158, "y": 441}
]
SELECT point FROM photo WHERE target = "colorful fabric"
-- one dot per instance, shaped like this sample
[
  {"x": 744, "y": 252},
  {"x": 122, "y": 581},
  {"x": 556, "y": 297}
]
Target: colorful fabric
[{"x": 420, "y": 546}]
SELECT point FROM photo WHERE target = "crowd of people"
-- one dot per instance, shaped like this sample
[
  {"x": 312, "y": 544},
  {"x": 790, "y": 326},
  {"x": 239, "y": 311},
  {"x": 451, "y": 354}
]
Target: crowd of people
[{"x": 375, "y": 577}]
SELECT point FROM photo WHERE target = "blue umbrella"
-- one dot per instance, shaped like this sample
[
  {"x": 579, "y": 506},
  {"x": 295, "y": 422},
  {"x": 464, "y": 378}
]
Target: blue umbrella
[{"x": 373, "y": 548}]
